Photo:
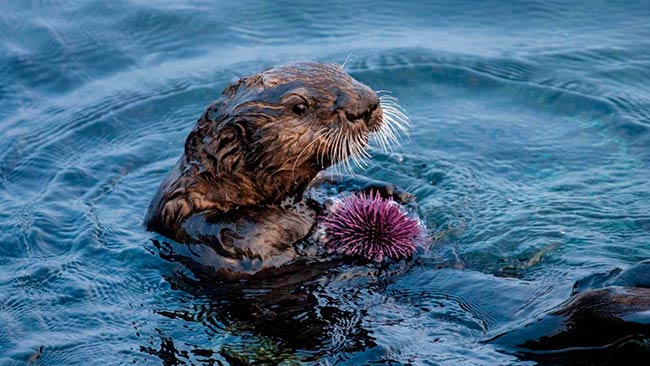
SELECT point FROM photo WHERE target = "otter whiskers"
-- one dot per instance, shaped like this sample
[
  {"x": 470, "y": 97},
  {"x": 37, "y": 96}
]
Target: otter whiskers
[
  {"x": 348, "y": 148},
  {"x": 317, "y": 137},
  {"x": 394, "y": 122}
]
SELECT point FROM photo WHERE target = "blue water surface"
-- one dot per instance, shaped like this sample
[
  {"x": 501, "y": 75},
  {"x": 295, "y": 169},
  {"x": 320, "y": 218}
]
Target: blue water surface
[{"x": 529, "y": 157}]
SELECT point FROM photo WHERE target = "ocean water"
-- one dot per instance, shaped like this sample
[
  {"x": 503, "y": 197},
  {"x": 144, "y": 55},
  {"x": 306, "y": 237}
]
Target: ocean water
[{"x": 529, "y": 157}]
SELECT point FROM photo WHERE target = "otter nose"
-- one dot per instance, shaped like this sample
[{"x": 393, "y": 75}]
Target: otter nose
[{"x": 358, "y": 104}]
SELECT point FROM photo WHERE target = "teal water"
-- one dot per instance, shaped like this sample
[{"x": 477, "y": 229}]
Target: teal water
[{"x": 529, "y": 157}]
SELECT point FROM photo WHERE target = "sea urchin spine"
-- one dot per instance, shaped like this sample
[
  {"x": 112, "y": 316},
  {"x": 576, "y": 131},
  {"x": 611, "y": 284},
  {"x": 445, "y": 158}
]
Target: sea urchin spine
[{"x": 372, "y": 227}]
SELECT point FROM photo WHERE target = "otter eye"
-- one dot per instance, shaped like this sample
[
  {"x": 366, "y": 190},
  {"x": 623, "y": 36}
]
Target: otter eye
[{"x": 299, "y": 109}]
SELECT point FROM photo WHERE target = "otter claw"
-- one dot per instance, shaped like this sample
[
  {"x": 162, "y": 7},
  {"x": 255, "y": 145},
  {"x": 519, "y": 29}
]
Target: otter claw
[
  {"x": 388, "y": 190},
  {"x": 365, "y": 185}
]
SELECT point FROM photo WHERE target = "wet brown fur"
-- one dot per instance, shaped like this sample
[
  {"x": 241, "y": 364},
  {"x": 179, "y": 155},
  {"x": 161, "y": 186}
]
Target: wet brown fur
[{"x": 262, "y": 142}]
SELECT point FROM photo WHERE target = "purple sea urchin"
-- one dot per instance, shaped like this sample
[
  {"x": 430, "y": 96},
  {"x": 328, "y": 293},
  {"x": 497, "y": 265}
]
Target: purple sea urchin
[{"x": 372, "y": 227}]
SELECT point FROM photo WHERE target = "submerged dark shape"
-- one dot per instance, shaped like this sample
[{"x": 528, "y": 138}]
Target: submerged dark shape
[
  {"x": 636, "y": 276},
  {"x": 369, "y": 226},
  {"x": 611, "y": 323}
]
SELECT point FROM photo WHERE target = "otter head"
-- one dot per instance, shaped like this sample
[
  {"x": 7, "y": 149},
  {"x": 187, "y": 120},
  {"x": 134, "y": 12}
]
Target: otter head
[{"x": 272, "y": 132}]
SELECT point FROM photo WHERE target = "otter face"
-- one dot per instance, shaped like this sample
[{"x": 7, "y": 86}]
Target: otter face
[
  {"x": 330, "y": 111},
  {"x": 289, "y": 122}
]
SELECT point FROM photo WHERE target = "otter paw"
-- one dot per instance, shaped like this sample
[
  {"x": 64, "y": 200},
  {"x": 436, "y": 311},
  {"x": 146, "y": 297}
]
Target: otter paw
[{"x": 388, "y": 190}]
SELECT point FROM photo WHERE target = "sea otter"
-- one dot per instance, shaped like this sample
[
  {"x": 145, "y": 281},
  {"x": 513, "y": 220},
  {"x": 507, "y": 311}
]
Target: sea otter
[{"x": 239, "y": 185}]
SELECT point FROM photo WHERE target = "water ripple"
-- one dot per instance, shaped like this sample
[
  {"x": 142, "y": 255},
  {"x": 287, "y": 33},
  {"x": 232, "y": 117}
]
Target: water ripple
[{"x": 528, "y": 158}]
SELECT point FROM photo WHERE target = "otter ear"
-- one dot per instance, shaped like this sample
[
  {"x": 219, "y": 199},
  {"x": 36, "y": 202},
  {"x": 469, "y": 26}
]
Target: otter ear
[
  {"x": 227, "y": 149},
  {"x": 212, "y": 113},
  {"x": 270, "y": 81},
  {"x": 248, "y": 82}
]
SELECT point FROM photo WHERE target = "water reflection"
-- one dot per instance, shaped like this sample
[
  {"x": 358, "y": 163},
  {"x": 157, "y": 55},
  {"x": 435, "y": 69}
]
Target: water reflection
[{"x": 281, "y": 313}]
